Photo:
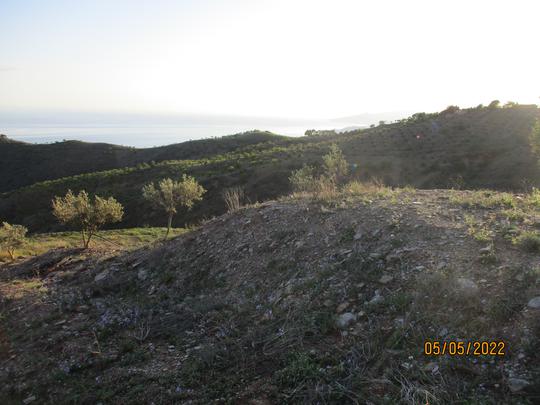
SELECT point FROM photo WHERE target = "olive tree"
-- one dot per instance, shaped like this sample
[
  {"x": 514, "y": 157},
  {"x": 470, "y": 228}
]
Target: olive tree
[
  {"x": 12, "y": 237},
  {"x": 303, "y": 179},
  {"x": 86, "y": 214},
  {"x": 335, "y": 166},
  {"x": 335, "y": 169},
  {"x": 169, "y": 195}
]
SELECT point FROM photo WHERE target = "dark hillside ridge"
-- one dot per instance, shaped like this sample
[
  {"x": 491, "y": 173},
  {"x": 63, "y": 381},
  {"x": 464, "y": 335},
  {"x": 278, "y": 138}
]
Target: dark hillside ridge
[
  {"x": 23, "y": 164},
  {"x": 473, "y": 148}
]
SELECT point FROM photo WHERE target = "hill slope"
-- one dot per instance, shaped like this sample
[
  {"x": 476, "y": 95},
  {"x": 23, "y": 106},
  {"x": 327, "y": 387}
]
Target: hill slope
[
  {"x": 289, "y": 302},
  {"x": 22, "y": 164},
  {"x": 474, "y": 148}
]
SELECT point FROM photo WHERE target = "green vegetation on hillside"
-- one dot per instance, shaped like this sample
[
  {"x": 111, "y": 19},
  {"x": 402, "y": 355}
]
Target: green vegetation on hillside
[
  {"x": 114, "y": 239},
  {"x": 468, "y": 148},
  {"x": 23, "y": 164}
]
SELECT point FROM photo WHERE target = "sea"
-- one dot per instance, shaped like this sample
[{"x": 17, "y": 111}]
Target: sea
[
  {"x": 145, "y": 131},
  {"x": 138, "y": 136}
]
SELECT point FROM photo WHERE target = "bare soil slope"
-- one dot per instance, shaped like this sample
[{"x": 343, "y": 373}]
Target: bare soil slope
[{"x": 295, "y": 301}]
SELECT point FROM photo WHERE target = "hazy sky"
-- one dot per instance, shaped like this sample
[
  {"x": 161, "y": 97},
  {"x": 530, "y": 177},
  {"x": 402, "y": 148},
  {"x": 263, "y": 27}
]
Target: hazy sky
[{"x": 290, "y": 58}]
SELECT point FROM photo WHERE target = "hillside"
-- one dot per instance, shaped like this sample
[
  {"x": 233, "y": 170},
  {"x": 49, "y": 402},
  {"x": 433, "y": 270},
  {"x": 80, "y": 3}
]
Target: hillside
[
  {"x": 294, "y": 301},
  {"x": 131, "y": 238},
  {"x": 23, "y": 164},
  {"x": 473, "y": 148}
]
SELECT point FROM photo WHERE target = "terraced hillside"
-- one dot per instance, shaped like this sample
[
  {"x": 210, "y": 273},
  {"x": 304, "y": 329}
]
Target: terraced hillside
[
  {"x": 295, "y": 301},
  {"x": 473, "y": 148}
]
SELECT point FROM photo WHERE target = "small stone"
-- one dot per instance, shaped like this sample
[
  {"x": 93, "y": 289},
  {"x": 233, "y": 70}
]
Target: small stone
[
  {"x": 101, "y": 276},
  {"x": 377, "y": 298},
  {"x": 517, "y": 384},
  {"x": 375, "y": 256},
  {"x": 485, "y": 251},
  {"x": 358, "y": 236},
  {"x": 467, "y": 285},
  {"x": 29, "y": 400},
  {"x": 142, "y": 274},
  {"x": 431, "y": 367},
  {"x": 443, "y": 332},
  {"x": 442, "y": 266},
  {"x": 534, "y": 303},
  {"x": 345, "y": 320},
  {"x": 386, "y": 278},
  {"x": 420, "y": 268},
  {"x": 342, "y": 307},
  {"x": 392, "y": 257}
]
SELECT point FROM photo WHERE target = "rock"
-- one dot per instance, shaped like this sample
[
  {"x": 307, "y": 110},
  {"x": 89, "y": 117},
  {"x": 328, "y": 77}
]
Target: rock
[
  {"x": 377, "y": 298},
  {"x": 442, "y": 265},
  {"x": 342, "y": 307},
  {"x": 534, "y": 303},
  {"x": 142, "y": 274},
  {"x": 358, "y": 236},
  {"x": 467, "y": 285},
  {"x": 485, "y": 251},
  {"x": 386, "y": 278},
  {"x": 29, "y": 400},
  {"x": 392, "y": 257},
  {"x": 345, "y": 320},
  {"x": 443, "y": 332},
  {"x": 101, "y": 276},
  {"x": 328, "y": 303},
  {"x": 431, "y": 367},
  {"x": 517, "y": 384},
  {"x": 420, "y": 268},
  {"x": 375, "y": 256}
]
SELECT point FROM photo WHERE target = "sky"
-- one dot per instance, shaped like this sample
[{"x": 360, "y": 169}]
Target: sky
[{"x": 293, "y": 58}]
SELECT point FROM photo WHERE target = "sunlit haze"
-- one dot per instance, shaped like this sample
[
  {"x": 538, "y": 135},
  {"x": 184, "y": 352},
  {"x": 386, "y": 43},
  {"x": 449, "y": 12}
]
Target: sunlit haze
[{"x": 309, "y": 59}]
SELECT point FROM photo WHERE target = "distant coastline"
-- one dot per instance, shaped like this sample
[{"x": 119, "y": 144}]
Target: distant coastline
[{"x": 144, "y": 131}]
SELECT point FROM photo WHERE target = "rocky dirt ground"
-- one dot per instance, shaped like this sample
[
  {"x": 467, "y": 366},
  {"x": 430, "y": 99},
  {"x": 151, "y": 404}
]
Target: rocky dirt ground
[{"x": 303, "y": 300}]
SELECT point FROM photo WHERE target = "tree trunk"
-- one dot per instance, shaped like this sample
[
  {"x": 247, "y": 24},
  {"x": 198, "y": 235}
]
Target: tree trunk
[
  {"x": 83, "y": 239},
  {"x": 88, "y": 240},
  {"x": 169, "y": 223}
]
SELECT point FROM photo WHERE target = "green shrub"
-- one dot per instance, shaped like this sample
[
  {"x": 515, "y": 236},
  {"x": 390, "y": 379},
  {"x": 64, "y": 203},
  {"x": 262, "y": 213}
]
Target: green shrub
[
  {"x": 12, "y": 237},
  {"x": 301, "y": 367},
  {"x": 303, "y": 180},
  {"x": 529, "y": 241},
  {"x": 533, "y": 198}
]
